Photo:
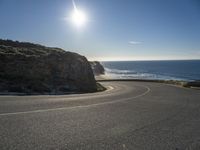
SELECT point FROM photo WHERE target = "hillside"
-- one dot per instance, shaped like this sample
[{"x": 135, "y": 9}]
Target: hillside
[{"x": 32, "y": 68}]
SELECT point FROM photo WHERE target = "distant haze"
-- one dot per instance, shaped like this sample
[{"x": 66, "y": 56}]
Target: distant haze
[{"x": 115, "y": 30}]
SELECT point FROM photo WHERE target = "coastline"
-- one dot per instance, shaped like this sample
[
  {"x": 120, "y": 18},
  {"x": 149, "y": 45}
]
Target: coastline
[
  {"x": 186, "y": 84},
  {"x": 154, "y": 70}
]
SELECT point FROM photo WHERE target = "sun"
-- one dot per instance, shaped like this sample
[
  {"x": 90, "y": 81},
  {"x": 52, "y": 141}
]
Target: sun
[{"x": 78, "y": 17}]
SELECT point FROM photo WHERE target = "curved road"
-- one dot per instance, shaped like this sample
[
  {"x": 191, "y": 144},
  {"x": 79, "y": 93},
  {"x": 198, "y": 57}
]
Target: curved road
[{"x": 128, "y": 116}]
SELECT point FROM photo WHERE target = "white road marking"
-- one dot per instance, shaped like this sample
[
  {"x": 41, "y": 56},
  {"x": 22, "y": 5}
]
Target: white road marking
[
  {"x": 109, "y": 88},
  {"x": 83, "y": 106}
]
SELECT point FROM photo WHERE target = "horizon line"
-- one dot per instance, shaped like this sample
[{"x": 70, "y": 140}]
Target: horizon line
[{"x": 146, "y": 60}]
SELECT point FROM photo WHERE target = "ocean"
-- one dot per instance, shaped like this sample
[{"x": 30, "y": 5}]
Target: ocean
[{"x": 182, "y": 70}]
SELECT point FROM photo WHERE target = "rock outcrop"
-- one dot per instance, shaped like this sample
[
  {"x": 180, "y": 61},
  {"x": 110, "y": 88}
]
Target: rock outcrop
[
  {"x": 97, "y": 68},
  {"x": 30, "y": 68}
]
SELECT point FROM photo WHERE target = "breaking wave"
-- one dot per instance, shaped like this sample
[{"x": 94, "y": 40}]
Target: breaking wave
[{"x": 132, "y": 74}]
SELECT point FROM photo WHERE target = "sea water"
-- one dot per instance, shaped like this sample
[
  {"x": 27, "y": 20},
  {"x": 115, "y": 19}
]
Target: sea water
[{"x": 186, "y": 70}]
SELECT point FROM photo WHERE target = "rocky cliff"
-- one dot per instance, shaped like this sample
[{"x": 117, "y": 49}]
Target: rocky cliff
[
  {"x": 97, "y": 68},
  {"x": 30, "y": 68}
]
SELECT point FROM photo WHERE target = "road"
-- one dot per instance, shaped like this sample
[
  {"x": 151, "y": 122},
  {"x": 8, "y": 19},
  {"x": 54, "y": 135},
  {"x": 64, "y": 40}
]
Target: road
[{"x": 128, "y": 116}]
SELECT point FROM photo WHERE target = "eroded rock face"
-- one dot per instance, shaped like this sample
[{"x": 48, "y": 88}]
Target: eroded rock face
[
  {"x": 97, "y": 68},
  {"x": 29, "y": 68}
]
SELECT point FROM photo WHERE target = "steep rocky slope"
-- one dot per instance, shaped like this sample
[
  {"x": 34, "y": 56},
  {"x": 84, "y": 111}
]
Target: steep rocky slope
[{"x": 30, "y": 68}]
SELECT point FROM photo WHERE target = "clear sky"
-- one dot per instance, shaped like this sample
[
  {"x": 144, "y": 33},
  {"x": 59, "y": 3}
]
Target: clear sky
[{"x": 116, "y": 29}]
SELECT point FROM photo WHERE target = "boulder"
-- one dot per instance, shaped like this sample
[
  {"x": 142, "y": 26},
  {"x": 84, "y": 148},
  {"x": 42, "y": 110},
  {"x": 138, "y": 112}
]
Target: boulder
[
  {"x": 32, "y": 68},
  {"x": 97, "y": 68}
]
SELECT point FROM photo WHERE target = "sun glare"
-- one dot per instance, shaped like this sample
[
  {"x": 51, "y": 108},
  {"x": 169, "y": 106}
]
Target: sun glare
[{"x": 78, "y": 18}]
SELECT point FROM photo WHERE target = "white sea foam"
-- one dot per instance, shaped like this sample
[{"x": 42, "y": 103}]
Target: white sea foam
[
  {"x": 131, "y": 74},
  {"x": 116, "y": 71}
]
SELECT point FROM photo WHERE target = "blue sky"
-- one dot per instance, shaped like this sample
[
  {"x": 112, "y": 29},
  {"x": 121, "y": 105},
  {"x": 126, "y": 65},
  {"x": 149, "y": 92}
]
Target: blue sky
[{"x": 116, "y": 29}]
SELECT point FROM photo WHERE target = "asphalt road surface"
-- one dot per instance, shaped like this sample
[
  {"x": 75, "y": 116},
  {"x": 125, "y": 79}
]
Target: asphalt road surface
[{"x": 128, "y": 116}]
